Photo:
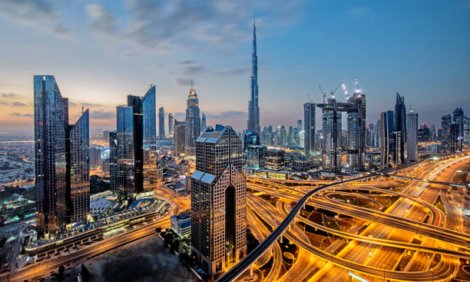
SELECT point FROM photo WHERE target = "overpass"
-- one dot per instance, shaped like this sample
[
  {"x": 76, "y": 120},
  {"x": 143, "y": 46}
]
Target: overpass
[{"x": 251, "y": 258}]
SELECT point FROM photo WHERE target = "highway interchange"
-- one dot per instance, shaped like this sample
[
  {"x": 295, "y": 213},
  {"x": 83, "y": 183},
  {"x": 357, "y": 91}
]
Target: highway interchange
[{"x": 371, "y": 227}]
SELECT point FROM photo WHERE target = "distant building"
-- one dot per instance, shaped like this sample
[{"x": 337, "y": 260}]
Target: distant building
[
  {"x": 218, "y": 200},
  {"x": 95, "y": 156},
  {"x": 255, "y": 156},
  {"x": 161, "y": 123},
  {"x": 250, "y": 138},
  {"x": 179, "y": 138},
  {"x": 149, "y": 116},
  {"x": 424, "y": 133},
  {"x": 412, "y": 136},
  {"x": 203, "y": 123},
  {"x": 444, "y": 132},
  {"x": 387, "y": 138},
  {"x": 274, "y": 159},
  {"x": 399, "y": 154},
  {"x": 171, "y": 125},
  {"x": 193, "y": 122},
  {"x": 61, "y": 160},
  {"x": 309, "y": 129},
  {"x": 253, "y": 105}
]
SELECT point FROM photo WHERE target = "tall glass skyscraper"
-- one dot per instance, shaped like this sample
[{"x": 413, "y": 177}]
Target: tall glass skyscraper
[
  {"x": 387, "y": 137},
  {"x": 80, "y": 168},
  {"x": 171, "y": 125},
  {"x": 218, "y": 200},
  {"x": 356, "y": 141},
  {"x": 149, "y": 116},
  {"x": 253, "y": 106},
  {"x": 61, "y": 160},
  {"x": 161, "y": 123},
  {"x": 193, "y": 122},
  {"x": 125, "y": 161},
  {"x": 400, "y": 130},
  {"x": 412, "y": 136}
]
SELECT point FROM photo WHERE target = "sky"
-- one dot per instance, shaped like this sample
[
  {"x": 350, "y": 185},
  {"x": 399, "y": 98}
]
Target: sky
[{"x": 101, "y": 51}]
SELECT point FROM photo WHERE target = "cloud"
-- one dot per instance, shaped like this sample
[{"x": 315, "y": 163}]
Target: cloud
[
  {"x": 187, "y": 62},
  {"x": 100, "y": 114},
  {"x": 101, "y": 20},
  {"x": 232, "y": 71},
  {"x": 90, "y": 105},
  {"x": 37, "y": 13},
  {"x": 9, "y": 95},
  {"x": 226, "y": 115},
  {"x": 193, "y": 69},
  {"x": 21, "y": 115},
  {"x": 183, "y": 81},
  {"x": 167, "y": 25}
]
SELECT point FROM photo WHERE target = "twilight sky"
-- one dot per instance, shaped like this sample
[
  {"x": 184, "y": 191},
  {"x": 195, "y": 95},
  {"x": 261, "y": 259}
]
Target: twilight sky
[{"x": 100, "y": 51}]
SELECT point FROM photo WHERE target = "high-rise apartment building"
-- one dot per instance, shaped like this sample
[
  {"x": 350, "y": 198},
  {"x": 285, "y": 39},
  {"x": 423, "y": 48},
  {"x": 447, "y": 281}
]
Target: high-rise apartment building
[
  {"x": 218, "y": 200},
  {"x": 309, "y": 128},
  {"x": 412, "y": 136},
  {"x": 61, "y": 160},
  {"x": 193, "y": 122},
  {"x": 161, "y": 123}
]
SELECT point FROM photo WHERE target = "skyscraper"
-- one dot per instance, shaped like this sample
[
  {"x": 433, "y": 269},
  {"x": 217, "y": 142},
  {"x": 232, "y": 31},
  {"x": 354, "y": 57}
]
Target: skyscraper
[
  {"x": 135, "y": 137},
  {"x": 387, "y": 139},
  {"x": 125, "y": 160},
  {"x": 332, "y": 134},
  {"x": 400, "y": 130},
  {"x": 161, "y": 123},
  {"x": 79, "y": 169},
  {"x": 171, "y": 125},
  {"x": 193, "y": 122},
  {"x": 412, "y": 136},
  {"x": 113, "y": 157},
  {"x": 253, "y": 106},
  {"x": 179, "y": 138},
  {"x": 218, "y": 200},
  {"x": 61, "y": 160},
  {"x": 459, "y": 119},
  {"x": 356, "y": 138},
  {"x": 309, "y": 128},
  {"x": 203, "y": 123},
  {"x": 149, "y": 116}
]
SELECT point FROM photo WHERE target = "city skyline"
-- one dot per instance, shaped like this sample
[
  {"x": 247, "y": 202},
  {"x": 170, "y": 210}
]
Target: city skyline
[{"x": 317, "y": 55}]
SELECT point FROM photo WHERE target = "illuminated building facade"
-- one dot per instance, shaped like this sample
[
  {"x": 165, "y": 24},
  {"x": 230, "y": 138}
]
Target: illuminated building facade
[{"x": 218, "y": 200}]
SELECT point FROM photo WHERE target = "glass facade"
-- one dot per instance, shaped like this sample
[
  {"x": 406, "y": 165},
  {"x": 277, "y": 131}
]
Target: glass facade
[
  {"x": 193, "y": 122},
  {"x": 149, "y": 116}
]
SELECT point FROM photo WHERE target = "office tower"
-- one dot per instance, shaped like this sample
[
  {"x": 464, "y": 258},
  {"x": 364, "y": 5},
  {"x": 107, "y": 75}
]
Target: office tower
[
  {"x": 356, "y": 134},
  {"x": 253, "y": 106},
  {"x": 412, "y": 136},
  {"x": 203, "y": 123},
  {"x": 283, "y": 136},
  {"x": 171, "y": 125},
  {"x": 290, "y": 136},
  {"x": 179, "y": 138},
  {"x": 444, "y": 136},
  {"x": 161, "y": 123},
  {"x": 136, "y": 103},
  {"x": 454, "y": 138},
  {"x": 309, "y": 129},
  {"x": 466, "y": 130},
  {"x": 387, "y": 140},
  {"x": 193, "y": 122},
  {"x": 125, "y": 180},
  {"x": 149, "y": 116},
  {"x": 424, "y": 133},
  {"x": 274, "y": 159},
  {"x": 134, "y": 138},
  {"x": 255, "y": 156},
  {"x": 400, "y": 130},
  {"x": 61, "y": 160},
  {"x": 459, "y": 119},
  {"x": 79, "y": 169},
  {"x": 106, "y": 135},
  {"x": 218, "y": 200},
  {"x": 297, "y": 131},
  {"x": 250, "y": 138},
  {"x": 113, "y": 158},
  {"x": 332, "y": 135}
]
